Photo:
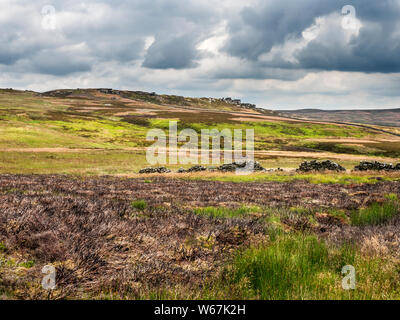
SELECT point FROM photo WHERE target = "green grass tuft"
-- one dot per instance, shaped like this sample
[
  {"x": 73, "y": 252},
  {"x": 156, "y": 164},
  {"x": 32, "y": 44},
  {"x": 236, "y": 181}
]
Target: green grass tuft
[
  {"x": 224, "y": 212},
  {"x": 287, "y": 269},
  {"x": 314, "y": 178},
  {"x": 302, "y": 267},
  {"x": 377, "y": 213},
  {"x": 27, "y": 264},
  {"x": 3, "y": 247},
  {"x": 139, "y": 205}
]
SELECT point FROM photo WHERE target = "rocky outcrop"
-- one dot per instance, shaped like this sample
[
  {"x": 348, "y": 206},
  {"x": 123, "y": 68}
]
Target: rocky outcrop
[
  {"x": 155, "y": 170},
  {"x": 232, "y": 167},
  {"x": 109, "y": 91},
  {"x": 315, "y": 165},
  {"x": 236, "y": 102},
  {"x": 192, "y": 169},
  {"x": 376, "y": 166}
]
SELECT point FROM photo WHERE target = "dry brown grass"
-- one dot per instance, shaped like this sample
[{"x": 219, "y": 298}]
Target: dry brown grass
[
  {"x": 102, "y": 246},
  {"x": 381, "y": 241},
  {"x": 100, "y": 243}
]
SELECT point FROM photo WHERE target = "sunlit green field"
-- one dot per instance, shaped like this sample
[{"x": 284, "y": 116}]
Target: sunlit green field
[
  {"x": 91, "y": 134},
  {"x": 25, "y": 115}
]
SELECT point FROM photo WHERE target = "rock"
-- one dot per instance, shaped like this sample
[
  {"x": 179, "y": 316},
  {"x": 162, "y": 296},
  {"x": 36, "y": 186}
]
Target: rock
[
  {"x": 273, "y": 170},
  {"x": 213, "y": 169},
  {"x": 192, "y": 169},
  {"x": 155, "y": 170},
  {"x": 315, "y": 165},
  {"x": 231, "y": 167},
  {"x": 376, "y": 166},
  {"x": 227, "y": 167}
]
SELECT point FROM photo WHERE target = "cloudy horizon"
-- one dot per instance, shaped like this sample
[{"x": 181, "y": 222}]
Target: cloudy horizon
[{"x": 277, "y": 54}]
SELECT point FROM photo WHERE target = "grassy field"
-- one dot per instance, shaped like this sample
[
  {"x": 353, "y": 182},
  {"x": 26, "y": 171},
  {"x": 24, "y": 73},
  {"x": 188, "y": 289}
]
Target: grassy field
[
  {"x": 314, "y": 178},
  {"x": 88, "y": 119}
]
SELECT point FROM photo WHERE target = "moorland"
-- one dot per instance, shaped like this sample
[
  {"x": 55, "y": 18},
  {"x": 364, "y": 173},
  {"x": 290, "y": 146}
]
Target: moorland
[{"x": 71, "y": 197}]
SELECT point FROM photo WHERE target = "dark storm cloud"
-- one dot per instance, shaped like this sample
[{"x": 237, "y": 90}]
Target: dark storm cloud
[
  {"x": 110, "y": 30},
  {"x": 266, "y": 24},
  {"x": 375, "y": 49},
  {"x": 51, "y": 64},
  {"x": 107, "y": 32},
  {"x": 8, "y": 57},
  {"x": 253, "y": 71},
  {"x": 123, "y": 52},
  {"x": 176, "y": 53},
  {"x": 367, "y": 53}
]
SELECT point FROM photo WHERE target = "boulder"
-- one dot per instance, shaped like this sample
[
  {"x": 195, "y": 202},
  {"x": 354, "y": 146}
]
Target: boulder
[
  {"x": 155, "y": 170},
  {"x": 376, "y": 166},
  {"x": 232, "y": 167},
  {"x": 315, "y": 165},
  {"x": 192, "y": 169}
]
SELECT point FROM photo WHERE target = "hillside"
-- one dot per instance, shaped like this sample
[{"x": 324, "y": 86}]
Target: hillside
[
  {"x": 72, "y": 199},
  {"x": 388, "y": 117},
  {"x": 102, "y": 131}
]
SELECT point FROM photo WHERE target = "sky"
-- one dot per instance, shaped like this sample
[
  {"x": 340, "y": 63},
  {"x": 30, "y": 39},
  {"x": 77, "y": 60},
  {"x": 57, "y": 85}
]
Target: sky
[{"x": 278, "y": 54}]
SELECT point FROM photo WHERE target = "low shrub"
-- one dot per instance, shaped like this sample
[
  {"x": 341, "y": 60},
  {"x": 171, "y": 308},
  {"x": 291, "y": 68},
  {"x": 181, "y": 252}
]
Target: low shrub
[{"x": 139, "y": 205}]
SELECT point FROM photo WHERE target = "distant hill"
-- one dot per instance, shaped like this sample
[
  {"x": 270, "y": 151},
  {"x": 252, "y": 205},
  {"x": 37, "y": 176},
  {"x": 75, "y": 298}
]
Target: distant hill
[
  {"x": 103, "y": 131},
  {"x": 383, "y": 117},
  {"x": 227, "y": 104}
]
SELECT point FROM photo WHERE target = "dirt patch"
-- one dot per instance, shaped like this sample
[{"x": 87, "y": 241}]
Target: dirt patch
[
  {"x": 90, "y": 109},
  {"x": 248, "y": 119},
  {"x": 257, "y": 153},
  {"x": 50, "y": 150},
  {"x": 344, "y": 140},
  {"x": 322, "y": 155},
  {"x": 149, "y": 112}
]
